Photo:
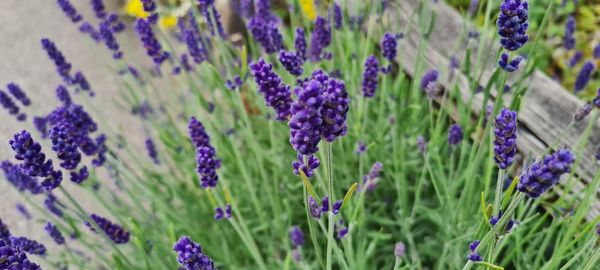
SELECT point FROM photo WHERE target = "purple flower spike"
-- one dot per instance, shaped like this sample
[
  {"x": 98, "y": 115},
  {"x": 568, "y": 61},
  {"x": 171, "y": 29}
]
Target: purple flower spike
[
  {"x": 27, "y": 245},
  {"x": 335, "y": 109},
  {"x": 512, "y": 24},
  {"x": 596, "y": 100},
  {"x": 263, "y": 27},
  {"x": 509, "y": 66},
  {"x": 596, "y": 53},
  {"x": 14, "y": 259},
  {"x": 545, "y": 173},
  {"x": 115, "y": 232},
  {"x": 583, "y": 78},
  {"x": 337, "y": 16},
  {"x": 429, "y": 82},
  {"x": 337, "y": 205},
  {"x": 474, "y": 256},
  {"x": 325, "y": 204},
  {"x": 319, "y": 39},
  {"x": 53, "y": 205},
  {"x": 300, "y": 43},
  {"x": 153, "y": 48},
  {"x": 305, "y": 124},
  {"x": 308, "y": 169},
  {"x": 389, "y": 42},
  {"x": 575, "y": 59},
  {"x": 569, "y": 39},
  {"x": 151, "y": 148},
  {"x": 296, "y": 236},
  {"x": 277, "y": 94},
  {"x": 583, "y": 112},
  {"x": 62, "y": 66},
  {"x": 455, "y": 134},
  {"x": 291, "y": 62},
  {"x": 14, "y": 175},
  {"x": 108, "y": 36},
  {"x": 195, "y": 46},
  {"x": 69, "y": 10},
  {"x": 313, "y": 207},
  {"x": 505, "y": 141},
  {"x": 18, "y": 93},
  {"x": 4, "y": 232},
  {"x": 79, "y": 177},
  {"x": 422, "y": 144},
  {"x": 89, "y": 29},
  {"x": 98, "y": 8},
  {"x": 23, "y": 211},
  {"x": 190, "y": 256},
  {"x": 369, "y": 80},
  {"x": 33, "y": 160},
  {"x": 10, "y": 105},
  {"x": 65, "y": 146},
  {"x": 372, "y": 178},
  {"x": 208, "y": 164},
  {"x": 54, "y": 233}
]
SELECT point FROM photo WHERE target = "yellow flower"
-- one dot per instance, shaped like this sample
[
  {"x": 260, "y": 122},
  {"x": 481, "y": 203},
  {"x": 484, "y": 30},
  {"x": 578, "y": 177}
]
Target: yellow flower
[
  {"x": 136, "y": 8},
  {"x": 308, "y": 7},
  {"x": 168, "y": 21}
]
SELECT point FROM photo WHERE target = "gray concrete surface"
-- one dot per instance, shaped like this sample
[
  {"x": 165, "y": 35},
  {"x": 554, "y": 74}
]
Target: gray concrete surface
[{"x": 22, "y": 24}]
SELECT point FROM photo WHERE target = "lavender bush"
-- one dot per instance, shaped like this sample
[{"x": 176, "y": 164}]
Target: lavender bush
[{"x": 251, "y": 160}]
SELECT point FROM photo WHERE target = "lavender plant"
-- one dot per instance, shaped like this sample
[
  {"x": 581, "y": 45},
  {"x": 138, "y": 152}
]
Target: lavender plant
[{"x": 207, "y": 183}]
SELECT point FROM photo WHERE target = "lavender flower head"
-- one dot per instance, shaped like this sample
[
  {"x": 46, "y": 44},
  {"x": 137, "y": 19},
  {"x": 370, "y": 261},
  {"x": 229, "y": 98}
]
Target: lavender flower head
[
  {"x": 399, "y": 249},
  {"x": 14, "y": 259},
  {"x": 337, "y": 15},
  {"x": 569, "y": 39},
  {"x": 291, "y": 62},
  {"x": 296, "y": 236},
  {"x": 206, "y": 158},
  {"x": 545, "y": 173},
  {"x": 583, "y": 78},
  {"x": 308, "y": 167},
  {"x": 369, "y": 79},
  {"x": 98, "y": 8},
  {"x": 53, "y": 205},
  {"x": 115, "y": 232},
  {"x": 152, "y": 153},
  {"x": 54, "y": 233},
  {"x": 21, "y": 181},
  {"x": 277, "y": 94},
  {"x": 264, "y": 28},
  {"x": 474, "y": 256},
  {"x": 197, "y": 133},
  {"x": 18, "y": 93},
  {"x": 190, "y": 256},
  {"x": 429, "y": 81},
  {"x": 108, "y": 36},
  {"x": 372, "y": 178},
  {"x": 306, "y": 121},
  {"x": 313, "y": 207},
  {"x": 422, "y": 144},
  {"x": 65, "y": 146},
  {"x": 4, "y": 232},
  {"x": 596, "y": 100},
  {"x": 27, "y": 245},
  {"x": 455, "y": 134},
  {"x": 69, "y": 10},
  {"x": 300, "y": 43},
  {"x": 33, "y": 160},
  {"x": 575, "y": 59},
  {"x": 320, "y": 39},
  {"x": 509, "y": 66},
  {"x": 335, "y": 109},
  {"x": 596, "y": 52},
  {"x": 389, "y": 43},
  {"x": 505, "y": 140},
  {"x": 62, "y": 66},
  {"x": 583, "y": 112},
  {"x": 23, "y": 211},
  {"x": 512, "y": 24},
  {"x": 10, "y": 106},
  {"x": 153, "y": 48}
]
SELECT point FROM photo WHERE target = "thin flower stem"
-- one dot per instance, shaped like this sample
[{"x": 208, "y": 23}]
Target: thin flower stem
[
  {"x": 579, "y": 253},
  {"x": 497, "y": 197},
  {"x": 331, "y": 200},
  {"x": 592, "y": 262}
]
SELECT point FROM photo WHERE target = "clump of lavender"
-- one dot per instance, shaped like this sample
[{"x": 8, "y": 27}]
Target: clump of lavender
[
  {"x": 27, "y": 245},
  {"x": 569, "y": 38},
  {"x": 69, "y": 10},
  {"x": 545, "y": 173},
  {"x": 389, "y": 51},
  {"x": 512, "y": 24},
  {"x": 15, "y": 90},
  {"x": 54, "y": 233},
  {"x": 152, "y": 153},
  {"x": 313, "y": 207},
  {"x": 194, "y": 45},
  {"x": 33, "y": 160},
  {"x": 369, "y": 79},
  {"x": 335, "y": 109},
  {"x": 474, "y": 256},
  {"x": 300, "y": 43},
  {"x": 206, "y": 158},
  {"x": 277, "y": 94},
  {"x": 509, "y": 66},
  {"x": 455, "y": 134},
  {"x": 429, "y": 82},
  {"x": 583, "y": 78},
  {"x": 115, "y": 232},
  {"x": 21, "y": 181},
  {"x": 10, "y": 106},
  {"x": 319, "y": 40},
  {"x": 291, "y": 62},
  {"x": 64, "y": 145},
  {"x": 583, "y": 112},
  {"x": 306, "y": 121},
  {"x": 153, "y": 48},
  {"x": 505, "y": 139},
  {"x": 190, "y": 256},
  {"x": 337, "y": 16},
  {"x": 62, "y": 66},
  {"x": 13, "y": 258},
  {"x": 263, "y": 27}
]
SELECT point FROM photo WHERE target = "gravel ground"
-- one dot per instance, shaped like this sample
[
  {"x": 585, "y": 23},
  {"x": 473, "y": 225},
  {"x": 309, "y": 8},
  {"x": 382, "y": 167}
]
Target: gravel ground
[{"x": 23, "y": 24}]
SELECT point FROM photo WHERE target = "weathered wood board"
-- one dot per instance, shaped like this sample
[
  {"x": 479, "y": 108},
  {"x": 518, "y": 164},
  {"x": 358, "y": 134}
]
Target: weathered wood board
[{"x": 546, "y": 110}]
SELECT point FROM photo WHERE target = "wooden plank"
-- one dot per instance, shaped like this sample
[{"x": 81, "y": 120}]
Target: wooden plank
[{"x": 547, "y": 108}]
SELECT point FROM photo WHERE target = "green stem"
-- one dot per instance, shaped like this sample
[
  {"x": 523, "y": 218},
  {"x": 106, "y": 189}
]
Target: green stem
[{"x": 331, "y": 200}]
